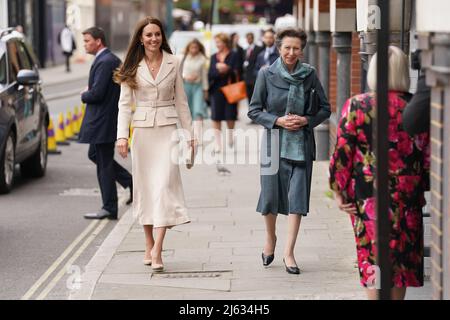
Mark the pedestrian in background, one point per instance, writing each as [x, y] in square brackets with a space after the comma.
[251, 53]
[195, 76]
[99, 127]
[223, 69]
[416, 116]
[235, 47]
[151, 79]
[66, 40]
[269, 53]
[281, 104]
[352, 174]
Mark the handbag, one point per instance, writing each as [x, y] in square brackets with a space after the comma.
[191, 157]
[313, 106]
[234, 92]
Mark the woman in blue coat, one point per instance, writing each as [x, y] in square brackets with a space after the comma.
[288, 102]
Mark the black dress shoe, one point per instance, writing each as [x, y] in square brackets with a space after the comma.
[102, 214]
[291, 270]
[130, 200]
[267, 259]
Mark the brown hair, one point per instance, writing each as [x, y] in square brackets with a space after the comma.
[201, 47]
[96, 33]
[224, 38]
[292, 33]
[136, 52]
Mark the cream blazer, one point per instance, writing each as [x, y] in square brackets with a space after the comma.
[159, 102]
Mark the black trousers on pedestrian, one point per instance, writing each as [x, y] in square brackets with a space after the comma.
[108, 172]
[68, 55]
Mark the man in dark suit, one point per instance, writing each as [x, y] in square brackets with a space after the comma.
[249, 64]
[99, 127]
[270, 52]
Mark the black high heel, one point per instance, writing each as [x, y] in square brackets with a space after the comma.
[291, 270]
[267, 260]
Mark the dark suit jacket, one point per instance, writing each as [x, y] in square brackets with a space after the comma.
[217, 80]
[249, 71]
[416, 115]
[260, 59]
[100, 121]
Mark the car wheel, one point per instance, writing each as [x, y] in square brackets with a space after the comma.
[36, 165]
[7, 164]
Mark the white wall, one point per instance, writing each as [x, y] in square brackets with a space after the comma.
[433, 16]
[3, 14]
[80, 16]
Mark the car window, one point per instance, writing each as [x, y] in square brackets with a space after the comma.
[25, 62]
[3, 76]
[14, 60]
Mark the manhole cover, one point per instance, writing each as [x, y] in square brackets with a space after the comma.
[193, 274]
[94, 192]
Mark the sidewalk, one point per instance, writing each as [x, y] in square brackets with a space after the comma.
[218, 255]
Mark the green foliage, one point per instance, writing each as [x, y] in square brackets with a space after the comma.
[206, 6]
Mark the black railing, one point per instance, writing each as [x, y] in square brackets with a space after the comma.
[382, 159]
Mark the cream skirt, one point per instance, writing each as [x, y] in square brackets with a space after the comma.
[158, 197]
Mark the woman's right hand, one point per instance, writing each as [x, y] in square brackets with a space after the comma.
[348, 208]
[289, 123]
[122, 147]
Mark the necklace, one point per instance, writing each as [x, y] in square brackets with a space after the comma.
[152, 68]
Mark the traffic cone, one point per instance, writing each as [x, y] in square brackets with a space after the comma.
[75, 121]
[60, 135]
[51, 141]
[68, 128]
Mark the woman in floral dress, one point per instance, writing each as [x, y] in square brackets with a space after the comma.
[352, 170]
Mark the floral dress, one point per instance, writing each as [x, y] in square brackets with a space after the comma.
[352, 175]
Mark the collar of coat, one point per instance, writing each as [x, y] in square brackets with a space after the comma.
[167, 65]
[274, 77]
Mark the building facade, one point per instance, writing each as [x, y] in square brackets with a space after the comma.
[341, 41]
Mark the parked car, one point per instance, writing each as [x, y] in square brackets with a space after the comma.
[23, 111]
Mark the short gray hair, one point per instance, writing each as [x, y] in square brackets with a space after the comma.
[398, 71]
[292, 33]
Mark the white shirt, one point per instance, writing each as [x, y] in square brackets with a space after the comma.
[196, 65]
[268, 52]
[100, 51]
[66, 39]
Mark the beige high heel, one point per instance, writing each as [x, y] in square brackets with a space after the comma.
[147, 262]
[157, 267]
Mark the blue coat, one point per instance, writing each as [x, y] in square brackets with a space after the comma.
[100, 121]
[282, 191]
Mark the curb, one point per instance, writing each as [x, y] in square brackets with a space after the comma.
[101, 259]
[66, 94]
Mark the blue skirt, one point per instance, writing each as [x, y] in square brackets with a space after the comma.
[197, 105]
[287, 191]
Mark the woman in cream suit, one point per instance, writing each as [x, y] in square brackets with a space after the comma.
[150, 78]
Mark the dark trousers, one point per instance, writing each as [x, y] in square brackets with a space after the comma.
[249, 87]
[68, 55]
[108, 172]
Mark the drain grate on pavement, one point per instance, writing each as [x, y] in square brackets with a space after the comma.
[222, 274]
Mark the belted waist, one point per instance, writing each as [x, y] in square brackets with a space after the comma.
[155, 104]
